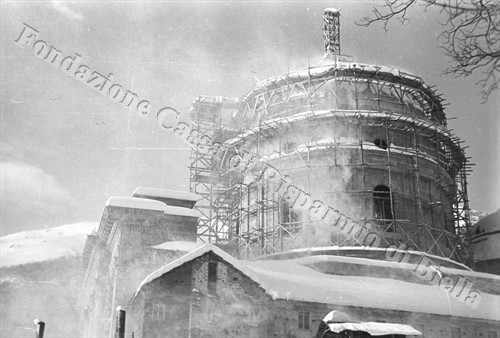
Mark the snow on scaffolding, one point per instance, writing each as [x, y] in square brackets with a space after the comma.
[379, 74]
[218, 101]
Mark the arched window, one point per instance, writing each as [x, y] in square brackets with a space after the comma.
[381, 143]
[382, 203]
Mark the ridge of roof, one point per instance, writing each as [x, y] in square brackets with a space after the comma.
[195, 254]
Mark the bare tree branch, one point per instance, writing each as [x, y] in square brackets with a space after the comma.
[470, 36]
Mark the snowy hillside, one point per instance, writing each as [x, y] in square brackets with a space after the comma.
[44, 245]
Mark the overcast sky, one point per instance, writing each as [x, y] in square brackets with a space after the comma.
[65, 149]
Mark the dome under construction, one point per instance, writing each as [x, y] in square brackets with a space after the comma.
[369, 141]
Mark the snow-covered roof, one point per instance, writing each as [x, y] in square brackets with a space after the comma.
[376, 329]
[180, 211]
[166, 193]
[337, 316]
[338, 321]
[368, 251]
[135, 203]
[148, 204]
[195, 254]
[44, 245]
[486, 237]
[487, 224]
[178, 246]
[290, 280]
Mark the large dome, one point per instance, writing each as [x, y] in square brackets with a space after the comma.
[367, 140]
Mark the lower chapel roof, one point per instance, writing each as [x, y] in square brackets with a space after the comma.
[486, 237]
[293, 280]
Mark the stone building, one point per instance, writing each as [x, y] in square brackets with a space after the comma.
[372, 144]
[128, 245]
[144, 258]
[208, 293]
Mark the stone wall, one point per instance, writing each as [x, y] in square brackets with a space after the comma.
[162, 308]
[234, 305]
[123, 256]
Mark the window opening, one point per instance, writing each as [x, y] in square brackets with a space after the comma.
[492, 334]
[455, 332]
[289, 218]
[381, 143]
[289, 147]
[212, 277]
[304, 320]
[158, 312]
[382, 203]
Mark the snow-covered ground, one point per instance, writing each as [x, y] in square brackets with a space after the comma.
[44, 245]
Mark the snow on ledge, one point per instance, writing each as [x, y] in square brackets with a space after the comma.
[166, 193]
[135, 203]
[180, 211]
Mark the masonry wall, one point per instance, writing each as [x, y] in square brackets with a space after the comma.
[236, 306]
[227, 305]
[135, 258]
[162, 308]
[431, 326]
[122, 257]
[346, 168]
